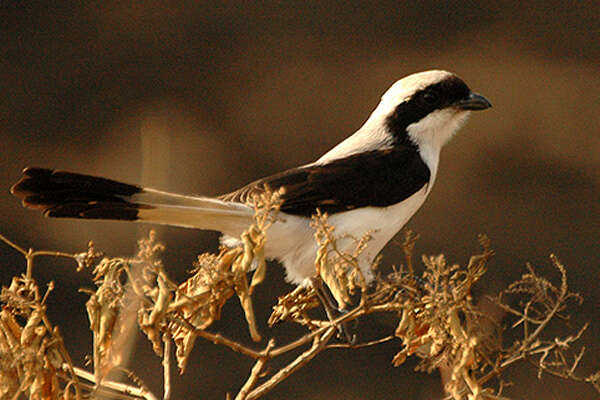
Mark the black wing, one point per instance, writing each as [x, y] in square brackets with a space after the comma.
[377, 178]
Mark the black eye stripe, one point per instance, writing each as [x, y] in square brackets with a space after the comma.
[444, 93]
[433, 97]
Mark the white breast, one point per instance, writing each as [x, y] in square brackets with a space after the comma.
[292, 241]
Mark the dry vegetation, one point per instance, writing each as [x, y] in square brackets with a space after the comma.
[437, 318]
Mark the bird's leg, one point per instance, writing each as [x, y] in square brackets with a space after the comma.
[331, 310]
[324, 296]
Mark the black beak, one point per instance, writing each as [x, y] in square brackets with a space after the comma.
[473, 102]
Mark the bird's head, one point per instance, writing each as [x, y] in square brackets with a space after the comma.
[427, 108]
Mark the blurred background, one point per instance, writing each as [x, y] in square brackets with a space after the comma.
[203, 97]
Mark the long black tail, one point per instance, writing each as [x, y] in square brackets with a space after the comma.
[66, 194]
[69, 195]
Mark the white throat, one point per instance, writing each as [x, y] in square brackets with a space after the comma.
[432, 132]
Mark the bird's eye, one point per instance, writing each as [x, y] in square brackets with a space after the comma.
[431, 98]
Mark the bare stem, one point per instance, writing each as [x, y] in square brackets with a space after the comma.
[255, 373]
[360, 345]
[13, 245]
[319, 343]
[233, 345]
[116, 386]
[166, 363]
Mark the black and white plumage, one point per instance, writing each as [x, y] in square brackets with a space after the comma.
[374, 181]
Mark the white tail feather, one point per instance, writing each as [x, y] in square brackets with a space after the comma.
[193, 212]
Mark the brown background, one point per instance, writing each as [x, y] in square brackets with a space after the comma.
[199, 97]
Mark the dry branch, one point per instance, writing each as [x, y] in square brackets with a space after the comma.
[437, 318]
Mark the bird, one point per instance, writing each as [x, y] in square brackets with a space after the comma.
[372, 182]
